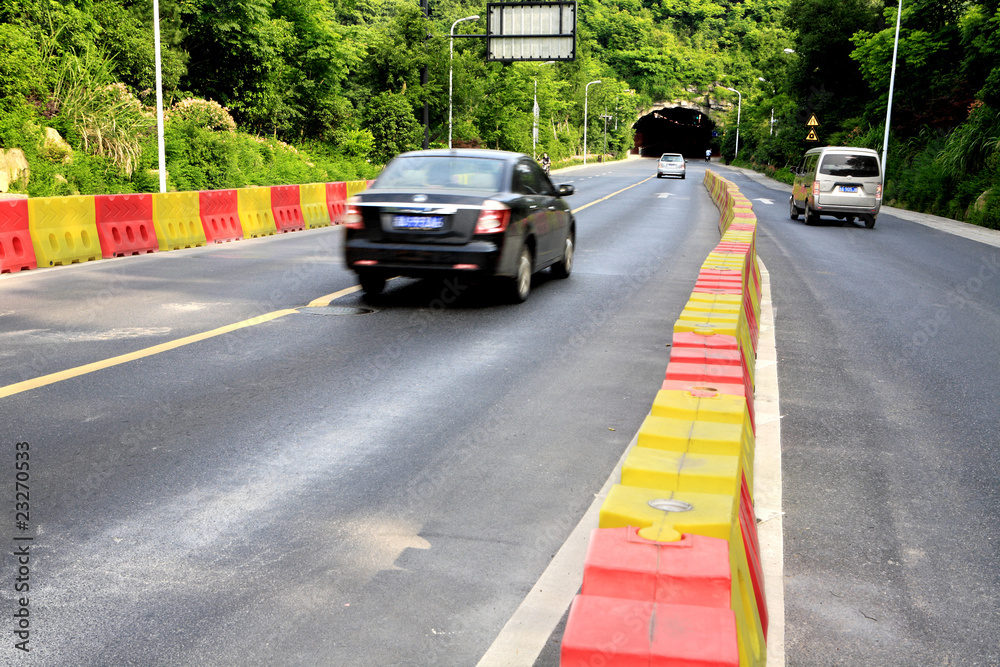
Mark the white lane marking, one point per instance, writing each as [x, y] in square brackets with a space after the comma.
[769, 202]
[767, 475]
[664, 195]
[525, 635]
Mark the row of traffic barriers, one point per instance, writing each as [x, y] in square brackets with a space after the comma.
[50, 231]
[673, 574]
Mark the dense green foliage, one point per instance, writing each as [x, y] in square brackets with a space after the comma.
[275, 91]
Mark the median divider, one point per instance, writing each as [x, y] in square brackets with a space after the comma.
[16, 250]
[677, 544]
[125, 225]
[63, 230]
[48, 231]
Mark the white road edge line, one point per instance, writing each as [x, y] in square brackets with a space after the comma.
[525, 635]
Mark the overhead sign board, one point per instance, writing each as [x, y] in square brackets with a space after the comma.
[525, 31]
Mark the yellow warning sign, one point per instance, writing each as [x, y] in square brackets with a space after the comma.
[812, 121]
[812, 135]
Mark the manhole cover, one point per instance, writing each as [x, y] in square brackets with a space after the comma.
[336, 310]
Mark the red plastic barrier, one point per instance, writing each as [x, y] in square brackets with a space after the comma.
[16, 250]
[751, 544]
[220, 217]
[336, 201]
[286, 205]
[694, 570]
[125, 225]
[615, 632]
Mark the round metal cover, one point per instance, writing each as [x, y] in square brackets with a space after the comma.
[670, 505]
[336, 310]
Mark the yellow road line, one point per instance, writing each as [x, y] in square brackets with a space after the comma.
[52, 378]
[330, 298]
[598, 201]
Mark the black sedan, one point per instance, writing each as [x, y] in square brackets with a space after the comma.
[480, 213]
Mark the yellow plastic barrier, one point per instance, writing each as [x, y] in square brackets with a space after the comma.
[682, 471]
[314, 210]
[256, 216]
[354, 187]
[63, 229]
[712, 515]
[177, 220]
[699, 437]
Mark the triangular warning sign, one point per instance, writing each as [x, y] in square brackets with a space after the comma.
[812, 135]
[812, 121]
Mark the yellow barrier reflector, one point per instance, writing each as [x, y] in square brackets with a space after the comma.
[177, 220]
[699, 437]
[679, 471]
[314, 210]
[354, 187]
[256, 216]
[712, 515]
[63, 229]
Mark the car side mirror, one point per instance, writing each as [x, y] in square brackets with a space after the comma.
[565, 189]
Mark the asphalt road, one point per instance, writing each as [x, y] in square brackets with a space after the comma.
[889, 372]
[326, 487]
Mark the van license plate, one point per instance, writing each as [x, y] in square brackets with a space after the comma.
[418, 222]
[848, 188]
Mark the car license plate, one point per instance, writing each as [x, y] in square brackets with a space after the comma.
[418, 221]
[848, 188]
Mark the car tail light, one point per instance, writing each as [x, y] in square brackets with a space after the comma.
[878, 192]
[352, 217]
[815, 188]
[493, 219]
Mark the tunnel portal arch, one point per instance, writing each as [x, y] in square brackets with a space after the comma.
[674, 130]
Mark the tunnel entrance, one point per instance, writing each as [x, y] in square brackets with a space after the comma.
[674, 130]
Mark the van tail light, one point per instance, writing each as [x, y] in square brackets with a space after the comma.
[815, 188]
[878, 192]
[493, 219]
[352, 216]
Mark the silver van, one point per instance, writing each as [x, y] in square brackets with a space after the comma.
[839, 181]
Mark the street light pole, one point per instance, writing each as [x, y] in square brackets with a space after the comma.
[739, 110]
[892, 85]
[451, 65]
[160, 150]
[586, 90]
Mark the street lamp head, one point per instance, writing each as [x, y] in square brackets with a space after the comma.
[732, 89]
[760, 78]
[789, 50]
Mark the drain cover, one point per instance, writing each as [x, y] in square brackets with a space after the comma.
[336, 310]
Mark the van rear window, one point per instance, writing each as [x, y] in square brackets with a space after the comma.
[858, 166]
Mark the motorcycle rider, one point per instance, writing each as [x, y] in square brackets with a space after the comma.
[546, 162]
[708, 155]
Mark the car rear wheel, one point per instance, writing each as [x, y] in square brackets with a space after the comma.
[793, 212]
[372, 283]
[869, 220]
[562, 268]
[809, 217]
[519, 286]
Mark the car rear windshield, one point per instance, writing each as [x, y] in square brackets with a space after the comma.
[672, 158]
[858, 166]
[442, 172]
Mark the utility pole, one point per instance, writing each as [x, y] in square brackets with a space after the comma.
[423, 83]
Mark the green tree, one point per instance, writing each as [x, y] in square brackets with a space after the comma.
[394, 129]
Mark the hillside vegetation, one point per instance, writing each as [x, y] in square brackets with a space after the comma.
[282, 91]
